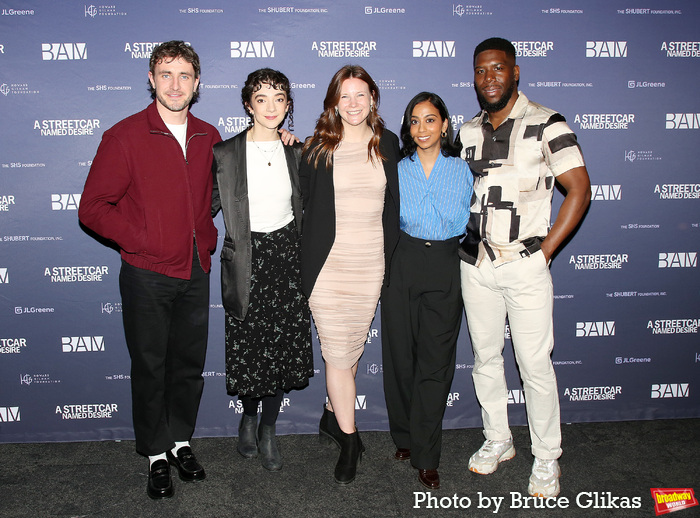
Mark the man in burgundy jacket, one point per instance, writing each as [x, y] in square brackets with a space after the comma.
[149, 191]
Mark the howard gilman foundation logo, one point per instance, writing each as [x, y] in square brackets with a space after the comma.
[344, 49]
[670, 390]
[595, 329]
[434, 49]
[606, 49]
[678, 259]
[102, 10]
[93, 411]
[9, 414]
[680, 326]
[252, 49]
[83, 344]
[63, 51]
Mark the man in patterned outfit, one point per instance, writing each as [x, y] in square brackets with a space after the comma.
[516, 150]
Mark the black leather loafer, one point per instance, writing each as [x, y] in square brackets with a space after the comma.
[160, 485]
[187, 466]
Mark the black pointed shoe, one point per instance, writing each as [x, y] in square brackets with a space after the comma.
[187, 466]
[160, 484]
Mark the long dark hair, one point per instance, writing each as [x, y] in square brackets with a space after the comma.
[276, 80]
[447, 144]
[329, 126]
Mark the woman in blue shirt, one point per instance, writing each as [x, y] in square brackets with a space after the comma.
[422, 305]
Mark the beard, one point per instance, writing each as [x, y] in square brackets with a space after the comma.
[498, 105]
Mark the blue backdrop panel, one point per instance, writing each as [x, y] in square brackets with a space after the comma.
[626, 284]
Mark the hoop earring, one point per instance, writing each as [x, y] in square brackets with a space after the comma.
[443, 134]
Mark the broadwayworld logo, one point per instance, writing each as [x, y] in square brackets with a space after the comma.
[63, 51]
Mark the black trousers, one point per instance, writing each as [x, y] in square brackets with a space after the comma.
[166, 323]
[421, 313]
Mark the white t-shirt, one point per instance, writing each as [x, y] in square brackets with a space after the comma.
[269, 187]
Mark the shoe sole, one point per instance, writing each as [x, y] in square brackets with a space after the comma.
[506, 456]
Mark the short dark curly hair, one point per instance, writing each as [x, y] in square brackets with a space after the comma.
[276, 80]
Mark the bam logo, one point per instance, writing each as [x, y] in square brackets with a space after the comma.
[83, 344]
[678, 260]
[589, 329]
[9, 414]
[433, 49]
[65, 201]
[361, 402]
[516, 397]
[682, 121]
[4, 278]
[606, 192]
[606, 49]
[63, 51]
[252, 49]
[669, 390]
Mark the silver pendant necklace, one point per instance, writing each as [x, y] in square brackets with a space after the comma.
[269, 155]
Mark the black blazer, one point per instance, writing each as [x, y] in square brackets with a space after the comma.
[230, 193]
[319, 211]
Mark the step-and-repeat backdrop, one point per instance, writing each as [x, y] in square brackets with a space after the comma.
[624, 73]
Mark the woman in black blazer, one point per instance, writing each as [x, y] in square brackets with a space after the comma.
[268, 332]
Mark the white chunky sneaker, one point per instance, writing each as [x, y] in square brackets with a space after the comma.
[544, 481]
[491, 453]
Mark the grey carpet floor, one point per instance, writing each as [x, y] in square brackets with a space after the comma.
[604, 465]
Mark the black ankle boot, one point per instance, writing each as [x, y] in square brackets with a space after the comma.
[247, 441]
[328, 429]
[269, 450]
[351, 449]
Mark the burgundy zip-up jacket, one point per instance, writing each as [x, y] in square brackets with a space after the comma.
[143, 194]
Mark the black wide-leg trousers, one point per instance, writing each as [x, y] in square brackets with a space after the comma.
[421, 313]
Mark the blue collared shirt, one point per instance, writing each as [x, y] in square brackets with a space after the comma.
[436, 207]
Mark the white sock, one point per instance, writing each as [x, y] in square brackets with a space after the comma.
[153, 458]
[179, 445]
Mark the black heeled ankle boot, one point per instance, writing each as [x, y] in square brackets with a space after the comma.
[328, 429]
[351, 449]
[247, 441]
